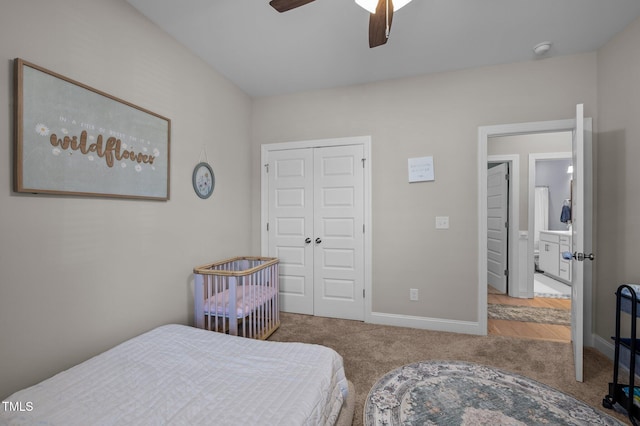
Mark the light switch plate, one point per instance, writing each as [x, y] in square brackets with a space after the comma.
[442, 222]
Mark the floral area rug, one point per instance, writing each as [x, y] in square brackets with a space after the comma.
[460, 393]
[529, 314]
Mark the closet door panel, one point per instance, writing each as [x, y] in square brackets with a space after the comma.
[291, 225]
[338, 232]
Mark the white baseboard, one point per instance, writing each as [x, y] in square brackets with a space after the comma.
[608, 348]
[435, 324]
[605, 346]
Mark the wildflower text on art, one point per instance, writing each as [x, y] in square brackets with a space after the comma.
[111, 150]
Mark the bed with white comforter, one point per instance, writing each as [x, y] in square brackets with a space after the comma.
[181, 375]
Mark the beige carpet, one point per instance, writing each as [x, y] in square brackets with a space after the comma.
[370, 351]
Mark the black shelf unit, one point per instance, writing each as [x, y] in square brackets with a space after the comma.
[627, 353]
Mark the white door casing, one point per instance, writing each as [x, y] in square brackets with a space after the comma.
[335, 236]
[497, 229]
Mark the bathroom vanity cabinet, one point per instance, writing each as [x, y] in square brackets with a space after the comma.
[552, 245]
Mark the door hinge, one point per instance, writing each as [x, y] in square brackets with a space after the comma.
[266, 166]
[363, 293]
[506, 224]
[506, 176]
[363, 228]
[506, 272]
[363, 160]
[267, 226]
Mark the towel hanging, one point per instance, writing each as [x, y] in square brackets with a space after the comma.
[565, 215]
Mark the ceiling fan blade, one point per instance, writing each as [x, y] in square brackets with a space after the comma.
[379, 25]
[284, 5]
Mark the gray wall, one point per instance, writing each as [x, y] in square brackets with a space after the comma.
[523, 145]
[618, 154]
[77, 274]
[435, 115]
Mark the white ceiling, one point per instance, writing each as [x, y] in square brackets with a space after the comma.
[325, 43]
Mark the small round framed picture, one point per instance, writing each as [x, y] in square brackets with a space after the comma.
[203, 180]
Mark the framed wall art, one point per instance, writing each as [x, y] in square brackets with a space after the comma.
[73, 139]
[204, 181]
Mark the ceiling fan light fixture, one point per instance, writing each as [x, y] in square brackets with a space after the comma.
[370, 5]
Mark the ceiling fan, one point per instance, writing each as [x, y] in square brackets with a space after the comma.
[379, 20]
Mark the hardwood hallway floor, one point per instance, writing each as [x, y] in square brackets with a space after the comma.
[530, 330]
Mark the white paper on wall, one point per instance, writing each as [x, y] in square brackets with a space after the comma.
[421, 169]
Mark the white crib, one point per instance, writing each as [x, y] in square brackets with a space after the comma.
[238, 296]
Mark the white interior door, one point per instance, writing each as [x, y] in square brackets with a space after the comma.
[497, 229]
[316, 228]
[338, 232]
[291, 226]
[581, 233]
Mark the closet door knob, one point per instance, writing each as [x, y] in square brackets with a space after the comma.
[318, 240]
[308, 240]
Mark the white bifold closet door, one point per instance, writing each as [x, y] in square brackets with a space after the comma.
[316, 227]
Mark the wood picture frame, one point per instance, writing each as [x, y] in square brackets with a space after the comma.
[73, 139]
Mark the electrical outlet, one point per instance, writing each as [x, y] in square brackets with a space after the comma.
[442, 222]
[413, 294]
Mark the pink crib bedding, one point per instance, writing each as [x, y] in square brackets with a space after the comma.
[248, 299]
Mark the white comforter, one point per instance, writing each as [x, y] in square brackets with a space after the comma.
[181, 375]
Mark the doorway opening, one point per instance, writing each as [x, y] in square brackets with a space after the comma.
[551, 178]
[536, 305]
[582, 187]
[521, 270]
